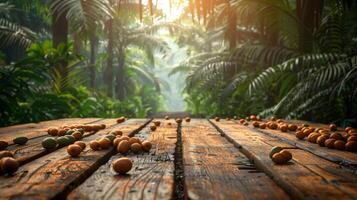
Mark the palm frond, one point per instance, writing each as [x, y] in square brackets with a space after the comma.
[13, 34]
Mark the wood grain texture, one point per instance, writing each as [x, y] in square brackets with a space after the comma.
[297, 179]
[345, 158]
[150, 178]
[33, 131]
[215, 169]
[54, 175]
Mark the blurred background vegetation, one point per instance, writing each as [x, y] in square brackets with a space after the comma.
[294, 59]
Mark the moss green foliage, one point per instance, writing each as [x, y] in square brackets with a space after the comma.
[274, 58]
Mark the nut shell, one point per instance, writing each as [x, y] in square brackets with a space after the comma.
[329, 143]
[81, 144]
[9, 165]
[146, 146]
[351, 146]
[339, 144]
[104, 143]
[136, 148]
[94, 145]
[3, 145]
[74, 150]
[122, 165]
[123, 147]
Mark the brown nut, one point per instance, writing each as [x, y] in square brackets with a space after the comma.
[352, 138]
[284, 128]
[282, 157]
[52, 131]
[4, 154]
[333, 127]
[262, 126]
[94, 145]
[9, 165]
[74, 150]
[123, 147]
[81, 144]
[351, 146]
[329, 143]
[336, 136]
[152, 127]
[157, 123]
[122, 165]
[135, 147]
[339, 144]
[146, 145]
[292, 127]
[321, 140]
[3, 145]
[120, 120]
[178, 120]
[133, 140]
[300, 135]
[104, 143]
[256, 124]
[313, 137]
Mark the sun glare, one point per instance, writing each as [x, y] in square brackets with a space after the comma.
[171, 13]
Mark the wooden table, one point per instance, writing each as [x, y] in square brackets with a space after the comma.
[201, 159]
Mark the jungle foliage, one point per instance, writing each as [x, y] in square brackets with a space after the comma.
[68, 58]
[284, 58]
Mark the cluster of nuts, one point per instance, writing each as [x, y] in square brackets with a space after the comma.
[63, 130]
[275, 124]
[70, 137]
[329, 138]
[123, 144]
[8, 164]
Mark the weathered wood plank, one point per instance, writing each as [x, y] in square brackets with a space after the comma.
[33, 131]
[150, 178]
[297, 179]
[215, 169]
[345, 158]
[34, 150]
[54, 175]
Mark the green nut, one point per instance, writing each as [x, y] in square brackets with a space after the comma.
[274, 150]
[71, 139]
[69, 132]
[111, 137]
[49, 143]
[81, 130]
[20, 140]
[63, 141]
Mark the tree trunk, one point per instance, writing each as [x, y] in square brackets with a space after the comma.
[60, 36]
[93, 53]
[309, 13]
[59, 28]
[108, 74]
[120, 75]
